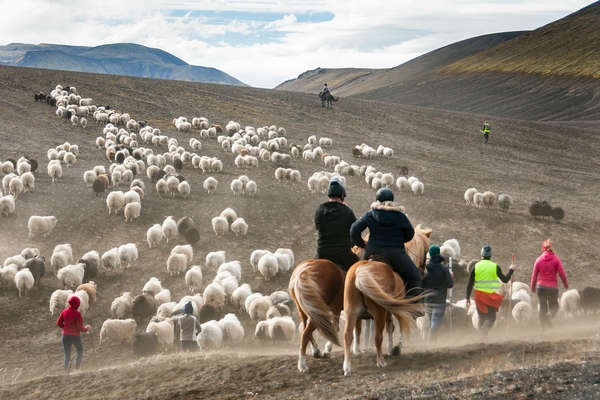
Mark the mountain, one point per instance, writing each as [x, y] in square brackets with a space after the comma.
[117, 59]
[352, 81]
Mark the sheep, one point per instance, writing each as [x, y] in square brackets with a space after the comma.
[132, 211]
[522, 312]
[193, 278]
[281, 329]
[186, 250]
[121, 306]
[172, 185]
[89, 177]
[54, 171]
[268, 266]
[100, 184]
[43, 226]
[131, 196]
[214, 259]
[255, 257]
[251, 188]
[280, 296]
[143, 306]
[505, 201]
[233, 331]
[570, 303]
[450, 248]
[162, 187]
[259, 307]
[237, 187]
[60, 259]
[233, 267]
[84, 301]
[165, 310]
[184, 189]
[239, 296]
[90, 288]
[154, 236]
[417, 187]
[17, 260]
[220, 225]
[15, 187]
[214, 294]
[30, 252]
[230, 214]
[71, 276]
[176, 264]
[37, 266]
[478, 200]
[7, 205]
[288, 252]
[152, 287]
[111, 259]
[164, 332]
[128, 253]
[24, 281]
[210, 185]
[115, 201]
[184, 224]
[469, 196]
[590, 299]
[117, 331]
[211, 336]
[58, 300]
[169, 228]
[239, 227]
[489, 199]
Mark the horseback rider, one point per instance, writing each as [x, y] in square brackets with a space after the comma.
[325, 90]
[485, 279]
[486, 131]
[389, 229]
[333, 220]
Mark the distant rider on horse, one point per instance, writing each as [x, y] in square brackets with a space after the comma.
[486, 130]
[389, 229]
[325, 90]
[333, 220]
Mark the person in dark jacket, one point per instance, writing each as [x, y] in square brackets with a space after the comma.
[437, 280]
[389, 229]
[71, 322]
[333, 220]
[189, 327]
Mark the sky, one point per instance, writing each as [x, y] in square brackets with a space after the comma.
[265, 42]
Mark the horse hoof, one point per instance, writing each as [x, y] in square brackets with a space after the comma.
[316, 354]
[381, 364]
[396, 351]
[303, 369]
[346, 372]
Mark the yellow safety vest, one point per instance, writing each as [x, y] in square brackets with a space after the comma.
[486, 276]
[486, 128]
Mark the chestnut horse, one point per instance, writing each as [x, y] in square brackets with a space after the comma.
[317, 288]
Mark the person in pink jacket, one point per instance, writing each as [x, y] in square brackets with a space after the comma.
[544, 282]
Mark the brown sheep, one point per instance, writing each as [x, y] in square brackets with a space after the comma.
[90, 289]
[110, 154]
[244, 152]
[217, 127]
[101, 184]
[139, 191]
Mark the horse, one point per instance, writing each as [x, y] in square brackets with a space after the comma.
[317, 288]
[328, 98]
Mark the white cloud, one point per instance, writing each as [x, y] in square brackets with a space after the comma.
[362, 33]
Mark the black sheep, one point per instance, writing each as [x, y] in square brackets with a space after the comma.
[192, 236]
[33, 163]
[37, 266]
[590, 299]
[178, 164]
[207, 313]
[143, 307]
[184, 224]
[99, 186]
[181, 178]
[90, 269]
[145, 344]
[120, 157]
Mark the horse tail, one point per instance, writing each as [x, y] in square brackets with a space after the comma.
[401, 307]
[310, 300]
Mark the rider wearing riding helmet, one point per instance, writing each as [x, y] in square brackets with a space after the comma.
[333, 220]
[325, 89]
[389, 229]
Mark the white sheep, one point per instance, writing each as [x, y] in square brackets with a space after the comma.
[121, 306]
[193, 278]
[239, 296]
[211, 336]
[450, 248]
[84, 301]
[71, 276]
[220, 225]
[233, 267]
[152, 287]
[15, 187]
[162, 187]
[255, 257]
[165, 310]
[17, 260]
[210, 185]
[214, 294]
[131, 196]
[28, 182]
[111, 259]
[417, 187]
[89, 177]
[169, 228]
[58, 300]
[30, 252]
[251, 188]
[117, 331]
[176, 264]
[469, 196]
[115, 201]
[259, 307]
[154, 235]
[214, 259]
[281, 328]
[128, 253]
[43, 226]
[287, 251]
[280, 296]
[7, 205]
[570, 303]
[132, 211]
[239, 227]
[184, 189]
[489, 199]
[186, 250]
[164, 332]
[237, 187]
[268, 266]
[162, 297]
[522, 312]
[54, 171]
[233, 331]
[24, 281]
[478, 200]
[284, 262]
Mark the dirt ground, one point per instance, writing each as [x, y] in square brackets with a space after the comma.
[529, 160]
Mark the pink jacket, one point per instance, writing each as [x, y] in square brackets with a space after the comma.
[544, 272]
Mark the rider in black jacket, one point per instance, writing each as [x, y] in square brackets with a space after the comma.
[389, 229]
[333, 220]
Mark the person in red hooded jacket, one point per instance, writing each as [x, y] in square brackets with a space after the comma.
[544, 282]
[71, 322]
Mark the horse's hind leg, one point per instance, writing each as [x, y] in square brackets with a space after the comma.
[306, 337]
[380, 321]
[389, 327]
[351, 320]
[357, 332]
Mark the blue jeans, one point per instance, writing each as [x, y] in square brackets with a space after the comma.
[68, 341]
[435, 316]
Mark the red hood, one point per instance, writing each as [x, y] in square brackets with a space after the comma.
[547, 255]
[74, 302]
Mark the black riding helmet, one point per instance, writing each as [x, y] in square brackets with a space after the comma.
[384, 194]
[336, 188]
[486, 252]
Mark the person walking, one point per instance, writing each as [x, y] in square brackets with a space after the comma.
[333, 220]
[71, 322]
[486, 131]
[544, 282]
[389, 229]
[189, 327]
[485, 278]
[437, 281]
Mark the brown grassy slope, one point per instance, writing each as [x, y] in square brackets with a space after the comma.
[353, 81]
[567, 47]
[528, 160]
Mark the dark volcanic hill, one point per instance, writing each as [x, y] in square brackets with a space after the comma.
[115, 59]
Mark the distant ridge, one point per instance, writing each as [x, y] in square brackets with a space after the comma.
[117, 59]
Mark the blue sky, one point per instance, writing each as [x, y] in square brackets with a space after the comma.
[265, 42]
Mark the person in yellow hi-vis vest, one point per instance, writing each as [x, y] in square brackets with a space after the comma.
[486, 130]
[485, 278]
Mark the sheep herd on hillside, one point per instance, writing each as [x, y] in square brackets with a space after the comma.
[140, 157]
